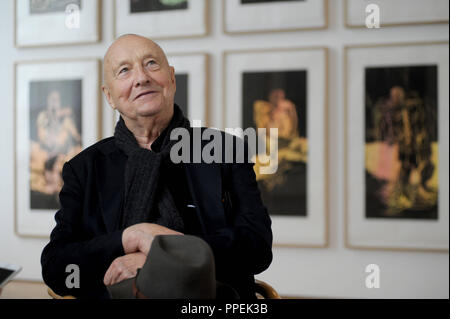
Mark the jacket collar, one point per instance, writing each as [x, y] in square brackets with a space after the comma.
[110, 170]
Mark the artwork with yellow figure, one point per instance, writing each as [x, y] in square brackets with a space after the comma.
[279, 113]
[54, 139]
[401, 145]
[283, 192]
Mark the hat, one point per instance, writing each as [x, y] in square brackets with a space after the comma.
[177, 267]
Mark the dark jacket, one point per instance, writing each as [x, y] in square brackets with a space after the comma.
[233, 220]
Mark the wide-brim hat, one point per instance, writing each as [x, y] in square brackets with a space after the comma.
[177, 267]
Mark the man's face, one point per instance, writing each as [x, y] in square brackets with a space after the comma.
[139, 81]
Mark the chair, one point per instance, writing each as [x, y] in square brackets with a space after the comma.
[263, 291]
[54, 295]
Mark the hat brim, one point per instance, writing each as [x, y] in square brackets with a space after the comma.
[124, 290]
[224, 291]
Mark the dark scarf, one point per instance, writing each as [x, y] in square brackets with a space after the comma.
[147, 197]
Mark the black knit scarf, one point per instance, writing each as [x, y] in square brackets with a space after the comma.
[147, 197]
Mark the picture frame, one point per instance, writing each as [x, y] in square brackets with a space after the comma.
[396, 100]
[191, 73]
[397, 13]
[57, 114]
[256, 16]
[284, 83]
[161, 21]
[56, 23]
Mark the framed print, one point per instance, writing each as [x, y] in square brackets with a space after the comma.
[250, 16]
[191, 75]
[158, 19]
[396, 12]
[286, 90]
[397, 146]
[56, 22]
[56, 116]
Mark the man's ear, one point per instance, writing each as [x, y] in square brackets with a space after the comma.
[173, 78]
[107, 94]
[172, 75]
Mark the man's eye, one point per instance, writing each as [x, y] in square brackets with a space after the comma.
[123, 70]
[151, 62]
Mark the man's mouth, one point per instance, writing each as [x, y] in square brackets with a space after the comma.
[144, 94]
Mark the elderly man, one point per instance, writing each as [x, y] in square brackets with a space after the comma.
[123, 191]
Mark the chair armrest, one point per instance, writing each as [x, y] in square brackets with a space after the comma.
[266, 290]
[54, 295]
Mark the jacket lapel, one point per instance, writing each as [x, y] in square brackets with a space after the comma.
[204, 181]
[110, 171]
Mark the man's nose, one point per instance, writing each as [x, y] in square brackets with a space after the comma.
[141, 77]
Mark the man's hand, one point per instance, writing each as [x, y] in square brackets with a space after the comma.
[124, 267]
[139, 237]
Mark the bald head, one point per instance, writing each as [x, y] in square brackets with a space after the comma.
[125, 45]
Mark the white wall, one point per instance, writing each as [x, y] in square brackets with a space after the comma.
[331, 272]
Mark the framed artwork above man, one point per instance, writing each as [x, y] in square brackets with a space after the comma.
[56, 22]
[255, 16]
[56, 117]
[396, 12]
[397, 155]
[284, 91]
[158, 19]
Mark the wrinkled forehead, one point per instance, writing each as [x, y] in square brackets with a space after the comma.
[131, 47]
